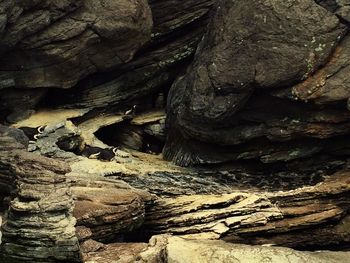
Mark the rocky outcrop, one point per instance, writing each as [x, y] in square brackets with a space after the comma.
[329, 84]
[233, 202]
[175, 36]
[238, 96]
[38, 226]
[106, 213]
[340, 7]
[178, 28]
[305, 217]
[257, 108]
[56, 43]
[11, 139]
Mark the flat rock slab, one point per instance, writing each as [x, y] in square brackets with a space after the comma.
[116, 253]
[180, 250]
[167, 249]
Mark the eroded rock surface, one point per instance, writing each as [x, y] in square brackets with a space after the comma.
[297, 218]
[229, 98]
[38, 226]
[262, 109]
[167, 249]
[107, 213]
[56, 43]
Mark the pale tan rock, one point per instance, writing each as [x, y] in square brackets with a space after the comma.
[167, 249]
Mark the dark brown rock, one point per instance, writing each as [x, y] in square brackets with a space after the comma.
[339, 7]
[219, 104]
[329, 84]
[106, 213]
[56, 43]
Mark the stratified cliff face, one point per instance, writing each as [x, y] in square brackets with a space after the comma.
[205, 119]
[70, 40]
[39, 225]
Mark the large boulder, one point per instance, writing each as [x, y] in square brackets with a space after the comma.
[227, 98]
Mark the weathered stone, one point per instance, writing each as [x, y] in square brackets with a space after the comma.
[313, 216]
[218, 103]
[112, 253]
[56, 43]
[339, 7]
[168, 249]
[174, 249]
[107, 213]
[39, 226]
[329, 84]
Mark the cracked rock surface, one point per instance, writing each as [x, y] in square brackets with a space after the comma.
[168, 249]
[38, 225]
[51, 43]
[239, 95]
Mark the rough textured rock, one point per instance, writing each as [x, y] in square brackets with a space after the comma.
[259, 109]
[167, 249]
[39, 226]
[331, 83]
[180, 250]
[112, 253]
[56, 43]
[340, 7]
[107, 213]
[306, 217]
[178, 28]
[11, 139]
[218, 102]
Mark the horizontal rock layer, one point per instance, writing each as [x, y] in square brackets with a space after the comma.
[306, 217]
[38, 226]
[56, 43]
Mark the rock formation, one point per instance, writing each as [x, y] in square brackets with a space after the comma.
[239, 93]
[39, 225]
[229, 124]
[57, 43]
[163, 249]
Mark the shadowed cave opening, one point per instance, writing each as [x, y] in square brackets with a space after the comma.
[127, 135]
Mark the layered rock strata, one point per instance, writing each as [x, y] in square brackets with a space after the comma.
[38, 226]
[56, 43]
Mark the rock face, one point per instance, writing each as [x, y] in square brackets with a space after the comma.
[329, 84]
[56, 43]
[253, 95]
[104, 47]
[106, 214]
[237, 94]
[39, 226]
[297, 218]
